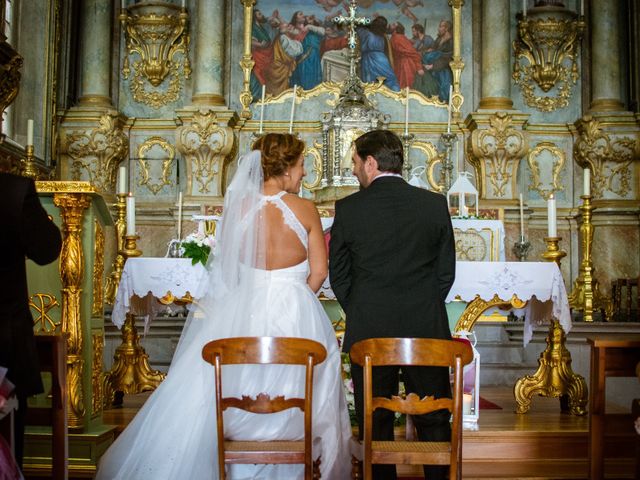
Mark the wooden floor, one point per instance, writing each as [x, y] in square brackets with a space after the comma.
[542, 444]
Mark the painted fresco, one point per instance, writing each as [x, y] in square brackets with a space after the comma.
[409, 42]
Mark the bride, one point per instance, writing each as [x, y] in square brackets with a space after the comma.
[270, 259]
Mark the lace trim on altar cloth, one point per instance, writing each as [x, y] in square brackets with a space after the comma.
[289, 217]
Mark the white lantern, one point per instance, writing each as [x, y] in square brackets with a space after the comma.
[463, 191]
[471, 383]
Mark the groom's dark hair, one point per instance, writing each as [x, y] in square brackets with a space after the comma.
[384, 146]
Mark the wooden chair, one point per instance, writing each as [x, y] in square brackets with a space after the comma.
[52, 354]
[410, 352]
[623, 304]
[266, 350]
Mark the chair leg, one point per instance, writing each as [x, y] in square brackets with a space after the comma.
[356, 469]
[316, 469]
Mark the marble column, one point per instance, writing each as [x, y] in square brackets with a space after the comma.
[96, 53]
[605, 55]
[208, 87]
[496, 56]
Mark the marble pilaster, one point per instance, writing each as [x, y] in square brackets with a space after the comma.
[208, 86]
[496, 53]
[605, 55]
[96, 53]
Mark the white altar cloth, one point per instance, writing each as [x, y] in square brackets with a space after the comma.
[144, 275]
[539, 283]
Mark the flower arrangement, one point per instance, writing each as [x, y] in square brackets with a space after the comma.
[197, 246]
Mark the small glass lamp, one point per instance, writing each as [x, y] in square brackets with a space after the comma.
[416, 177]
[463, 194]
[470, 383]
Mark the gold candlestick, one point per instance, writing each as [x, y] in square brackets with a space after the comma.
[29, 168]
[553, 253]
[554, 377]
[111, 288]
[131, 372]
[586, 296]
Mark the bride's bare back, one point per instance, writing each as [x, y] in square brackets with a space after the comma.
[285, 248]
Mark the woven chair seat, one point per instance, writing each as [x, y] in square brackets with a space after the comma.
[266, 446]
[411, 447]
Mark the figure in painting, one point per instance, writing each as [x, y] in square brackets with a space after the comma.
[308, 72]
[375, 51]
[421, 41]
[262, 34]
[436, 77]
[407, 61]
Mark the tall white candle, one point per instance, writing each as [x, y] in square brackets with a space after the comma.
[524, 8]
[582, 8]
[406, 114]
[587, 182]
[122, 180]
[122, 4]
[449, 109]
[179, 215]
[551, 217]
[262, 108]
[131, 214]
[30, 132]
[521, 218]
[184, 3]
[293, 108]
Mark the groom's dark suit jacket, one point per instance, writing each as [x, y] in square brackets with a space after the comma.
[25, 232]
[392, 261]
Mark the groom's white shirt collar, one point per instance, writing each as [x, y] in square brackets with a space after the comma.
[386, 174]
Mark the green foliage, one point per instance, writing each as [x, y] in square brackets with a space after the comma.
[197, 253]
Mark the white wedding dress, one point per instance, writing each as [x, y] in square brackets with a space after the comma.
[173, 436]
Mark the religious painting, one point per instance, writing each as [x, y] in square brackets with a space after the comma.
[408, 43]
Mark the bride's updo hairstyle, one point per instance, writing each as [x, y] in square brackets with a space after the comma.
[279, 151]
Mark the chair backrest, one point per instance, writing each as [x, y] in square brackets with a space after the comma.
[52, 353]
[264, 350]
[623, 299]
[424, 352]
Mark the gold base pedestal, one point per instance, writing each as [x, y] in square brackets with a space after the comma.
[554, 377]
[131, 372]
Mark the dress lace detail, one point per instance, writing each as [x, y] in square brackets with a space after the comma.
[290, 218]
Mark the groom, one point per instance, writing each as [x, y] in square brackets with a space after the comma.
[391, 264]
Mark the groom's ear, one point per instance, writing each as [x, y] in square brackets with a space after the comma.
[371, 164]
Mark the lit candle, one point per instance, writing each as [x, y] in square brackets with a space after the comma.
[122, 180]
[406, 115]
[524, 8]
[449, 109]
[179, 215]
[463, 210]
[262, 109]
[467, 401]
[293, 108]
[30, 132]
[551, 216]
[587, 182]
[521, 218]
[131, 215]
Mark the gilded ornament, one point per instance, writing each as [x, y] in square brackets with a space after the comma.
[64, 187]
[546, 57]
[495, 154]
[554, 377]
[169, 154]
[97, 386]
[41, 304]
[98, 271]
[97, 152]
[478, 306]
[558, 161]
[432, 159]
[609, 159]
[206, 147]
[10, 81]
[71, 267]
[157, 33]
[316, 154]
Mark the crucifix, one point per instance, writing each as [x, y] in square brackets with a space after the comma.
[351, 21]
